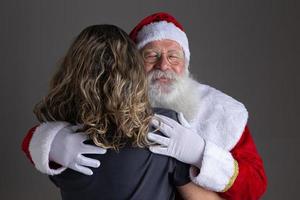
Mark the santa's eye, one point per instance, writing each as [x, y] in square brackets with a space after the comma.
[151, 56]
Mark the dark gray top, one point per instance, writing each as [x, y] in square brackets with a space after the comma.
[131, 173]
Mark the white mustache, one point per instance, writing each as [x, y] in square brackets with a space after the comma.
[157, 74]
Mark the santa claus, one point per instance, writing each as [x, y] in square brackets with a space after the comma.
[213, 136]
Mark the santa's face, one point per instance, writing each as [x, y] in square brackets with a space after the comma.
[164, 64]
[165, 68]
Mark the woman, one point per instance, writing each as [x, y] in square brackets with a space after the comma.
[102, 86]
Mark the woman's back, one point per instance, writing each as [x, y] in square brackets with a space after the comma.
[131, 173]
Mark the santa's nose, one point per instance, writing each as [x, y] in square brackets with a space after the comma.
[162, 64]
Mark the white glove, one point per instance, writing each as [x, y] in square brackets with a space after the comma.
[67, 149]
[181, 143]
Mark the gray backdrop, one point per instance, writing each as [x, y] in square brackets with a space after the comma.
[248, 49]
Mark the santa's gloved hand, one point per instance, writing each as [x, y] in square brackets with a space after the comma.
[179, 142]
[67, 149]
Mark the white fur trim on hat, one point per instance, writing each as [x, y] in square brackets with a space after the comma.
[40, 145]
[217, 170]
[163, 30]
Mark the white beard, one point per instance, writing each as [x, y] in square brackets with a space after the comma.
[181, 95]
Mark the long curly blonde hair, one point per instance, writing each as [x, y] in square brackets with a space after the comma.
[101, 84]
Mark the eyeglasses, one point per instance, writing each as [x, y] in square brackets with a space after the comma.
[152, 56]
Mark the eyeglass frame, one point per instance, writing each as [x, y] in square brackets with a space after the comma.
[159, 52]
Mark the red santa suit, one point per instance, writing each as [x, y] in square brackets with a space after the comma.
[231, 164]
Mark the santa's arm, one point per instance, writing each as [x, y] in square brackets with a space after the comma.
[56, 140]
[26, 142]
[238, 174]
[251, 181]
[37, 144]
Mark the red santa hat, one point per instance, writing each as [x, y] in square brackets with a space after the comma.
[160, 26]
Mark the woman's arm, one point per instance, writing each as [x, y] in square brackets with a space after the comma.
[192, 191]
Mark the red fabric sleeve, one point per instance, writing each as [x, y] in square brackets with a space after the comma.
[251, 181]
[26, 142]
[25, 148]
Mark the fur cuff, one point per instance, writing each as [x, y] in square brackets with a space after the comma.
[217, 170]
[40, 146]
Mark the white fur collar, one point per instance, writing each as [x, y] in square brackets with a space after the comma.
[216, 116]
[220, 118]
